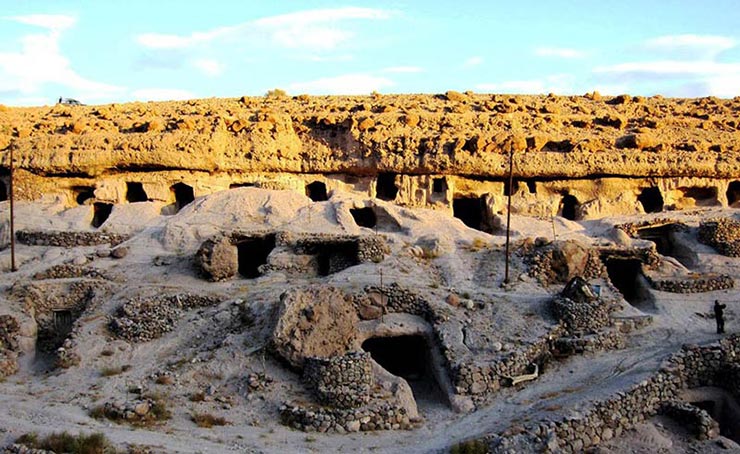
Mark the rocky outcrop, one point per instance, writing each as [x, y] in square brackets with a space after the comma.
[317, 321]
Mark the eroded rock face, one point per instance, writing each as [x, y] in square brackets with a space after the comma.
[218, 258]
[314, 321]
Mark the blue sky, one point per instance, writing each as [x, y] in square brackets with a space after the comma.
[114, 51]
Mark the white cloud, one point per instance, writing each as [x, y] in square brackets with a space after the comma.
[403, 69]
[348, 84]
[162, 94]
[209, 66]
[50, 21]
[559, 83]
[702, 47]
[473, 61]
[559, 52]
[39, 62]
[312, 29]
[670, 68]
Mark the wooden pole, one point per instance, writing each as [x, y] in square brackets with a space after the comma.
[12, 215]
[508, 212]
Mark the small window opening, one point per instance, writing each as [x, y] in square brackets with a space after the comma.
[570, 207]
[733, 194]
[101, 212]
[241, 185]
[471, 211]
[651, 200]
[531, 187]
[252, 253]
[3, 192]
[84, 195]
[316, 191]
[514, 187]
[135, 192]
[385, 186]
[439, 185]
[364, 217]
[183, 195]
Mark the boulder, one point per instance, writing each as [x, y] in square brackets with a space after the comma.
[315, 321]
[217, 258]
[570, 259]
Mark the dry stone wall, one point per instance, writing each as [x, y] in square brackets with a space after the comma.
[693, 285]
[340, 381]
[697, 419]
[693, 366]
[723, 234]
[378, 415]
[68, 239]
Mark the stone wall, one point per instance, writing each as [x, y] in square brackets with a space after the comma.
[691, 285]
[557, 262]
[378, 415]
[693, 366]
[632, 228]
[9, 329]
[70, 270]
[723, 234]
[143, 319]
[68, 239]
[695, 418]
[587, 315]
[340, 381]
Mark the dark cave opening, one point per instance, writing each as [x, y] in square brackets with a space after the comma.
[334, 257]
[364, 217]
[3, 191]
[439, 185]
[724, 411]
[252, 253]
[733, 194]
[570, 206]
[385, 186]
[407, 357]
[651, 200]
[241, 185]
[664, 237]
[183, 195]
[703, 196]
[627, 276]
[101, 213]
[135, 192]
[84, 194]
[471, 211]
[316, 191]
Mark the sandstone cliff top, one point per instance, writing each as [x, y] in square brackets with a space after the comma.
[457, 133]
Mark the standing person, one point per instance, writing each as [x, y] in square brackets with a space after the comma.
[719, 316]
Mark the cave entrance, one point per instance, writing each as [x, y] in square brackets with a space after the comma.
[252, 253]
[135, 192]
[364, 217]
[471, 211]
[101, 213]
[651, 200]
[385, 186]
[439, 186]
[664, 237]
[570, 206]
[703, 196]
[3, 191]
[336, 256]
[53, 329]
[408, 357]
[733, 194]
[183, 195]
[83, 194]
[316, 191]
[627, 276]
[721, 405]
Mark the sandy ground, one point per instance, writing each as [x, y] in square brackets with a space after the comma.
[207, 353]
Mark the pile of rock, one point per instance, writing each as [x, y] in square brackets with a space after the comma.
[723, 234]
[23, 449]
[560, 261]
[68, 239]
[698, 285]
[9, 329]
[140, 410]
[340, 381]
[579, 309]
[379, 415]
[70, 270]
[695, 418]
[143, 319]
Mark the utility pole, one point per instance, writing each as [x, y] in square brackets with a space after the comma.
[508, 211]
[12, 215]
